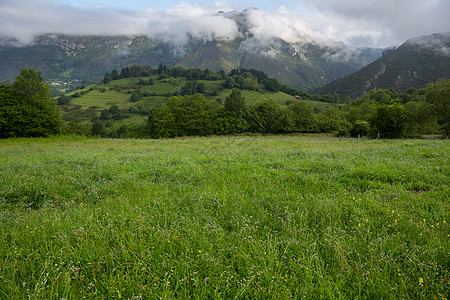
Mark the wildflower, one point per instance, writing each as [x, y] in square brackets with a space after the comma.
[199, 251]
[27, 226]
[420, 281]
[168, 241]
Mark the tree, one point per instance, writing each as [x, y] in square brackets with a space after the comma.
[161, 122]
[272, 84]
[388, 121]
[438, 94]
[420, 119]
[333, 120]
[63, 100]
[115, 74]
[235, 102]
[303, 117]
[134, 97]
[97, 129]
[263, 115]
[359, 128]
[27, 108]
[107, 78]
[249, 84]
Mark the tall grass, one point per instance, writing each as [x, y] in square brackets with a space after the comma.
[274, 217]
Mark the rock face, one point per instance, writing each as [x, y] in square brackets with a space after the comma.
[414, 64]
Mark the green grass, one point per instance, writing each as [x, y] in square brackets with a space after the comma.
[103, 100]
[273, 217]
[252, 97]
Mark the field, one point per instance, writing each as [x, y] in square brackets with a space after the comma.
[272, 217]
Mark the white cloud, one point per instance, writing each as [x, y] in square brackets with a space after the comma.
[381, 22]
[184, 20]
[354, 22]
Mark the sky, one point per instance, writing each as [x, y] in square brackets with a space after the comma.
[357, 23]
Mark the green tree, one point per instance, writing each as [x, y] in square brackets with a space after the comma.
[359, 128]
[333, 120]
[134, 97]
[235, 102]
[161, 122]
[63, 100]
[303, 117]
[107, 78]
[272, 84]
[388, 121]
[249, 84]
[438, 94]
[98, 129]
[27, 108]
[262, 116]
[420, 119]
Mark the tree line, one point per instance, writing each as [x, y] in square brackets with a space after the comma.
[381, 113]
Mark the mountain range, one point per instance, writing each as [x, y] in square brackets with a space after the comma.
[307, 64]
[414, 64]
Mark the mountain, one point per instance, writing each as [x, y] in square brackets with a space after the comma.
[65, 58]
[302, 64]
[417, 62]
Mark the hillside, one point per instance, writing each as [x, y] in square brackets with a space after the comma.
[87, 105]
[414, 64]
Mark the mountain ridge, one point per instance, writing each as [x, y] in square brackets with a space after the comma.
[417, 62]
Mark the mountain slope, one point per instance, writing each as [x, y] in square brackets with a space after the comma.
[414, 64]
[63, 57]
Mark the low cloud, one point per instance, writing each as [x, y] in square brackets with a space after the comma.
[438, 43]
[180, 23]
[379, 23]
[122, 52]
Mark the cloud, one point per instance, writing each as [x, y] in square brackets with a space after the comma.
[356, 23]
[185, 20]
[438, 43]
[383, 22]
[24, 19]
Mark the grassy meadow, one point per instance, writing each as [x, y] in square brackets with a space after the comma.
[243, 217]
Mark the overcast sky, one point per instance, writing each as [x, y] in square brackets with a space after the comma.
[376, 23]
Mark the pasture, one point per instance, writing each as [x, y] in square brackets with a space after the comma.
[244, 217]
